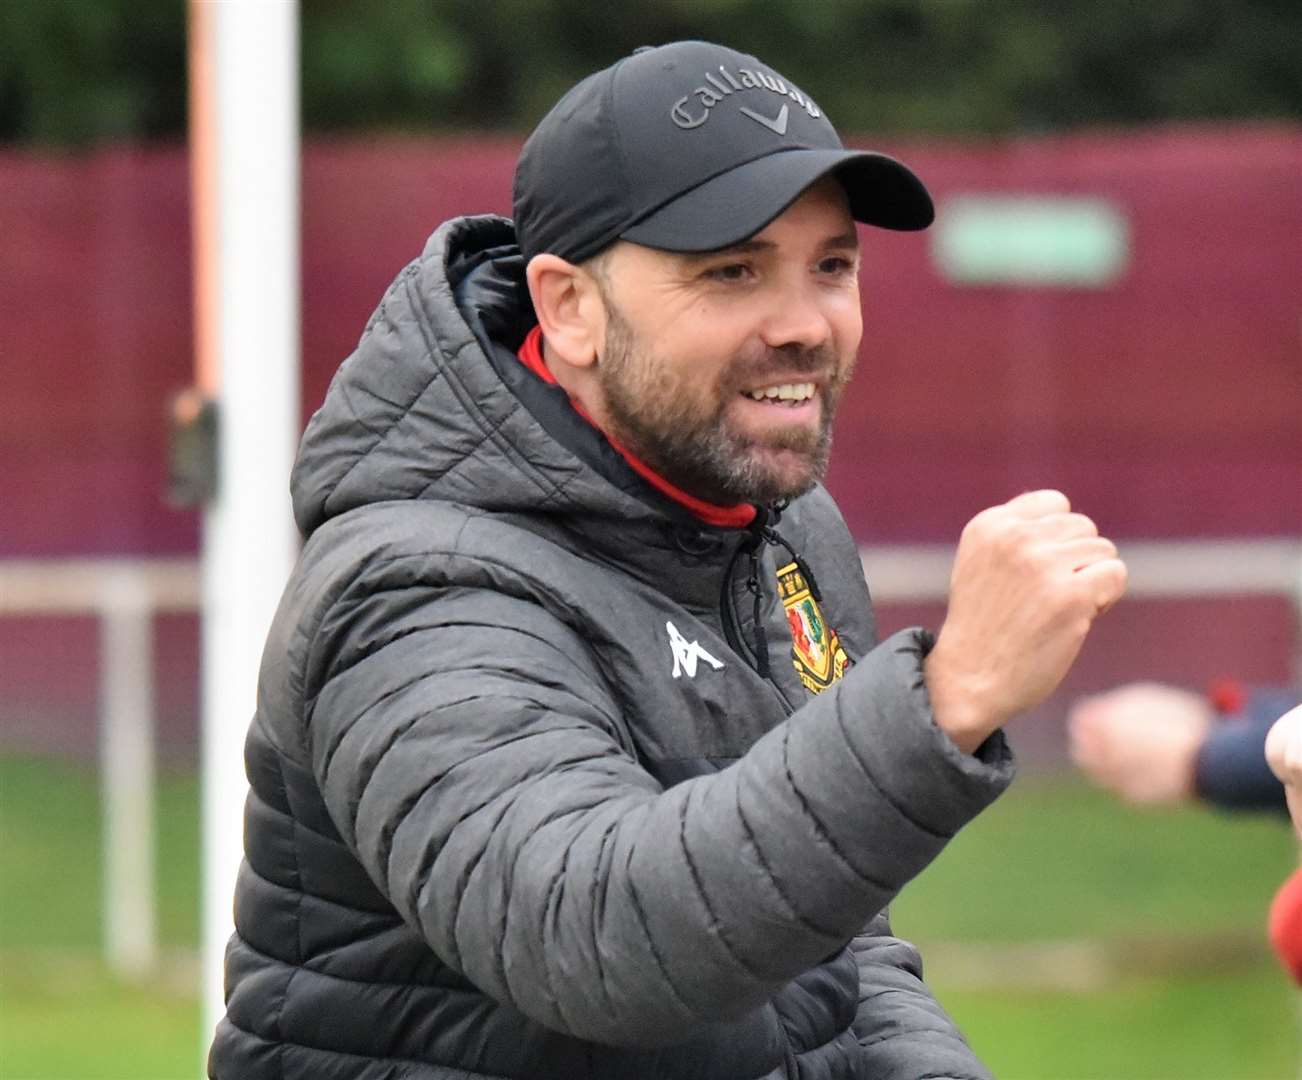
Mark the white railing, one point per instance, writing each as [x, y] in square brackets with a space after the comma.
[125, 595]
[1158, 568]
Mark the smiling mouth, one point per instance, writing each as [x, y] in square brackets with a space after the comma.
[783, 393]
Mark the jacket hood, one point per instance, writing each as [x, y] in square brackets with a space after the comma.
[434, 404]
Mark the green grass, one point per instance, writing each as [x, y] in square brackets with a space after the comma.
[1232, 1026]
[1171, 977]
[1175, 980]
[1054, 859]
[63, 1018]
[50, 879]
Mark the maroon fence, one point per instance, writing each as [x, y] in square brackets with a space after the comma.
[1167, 403]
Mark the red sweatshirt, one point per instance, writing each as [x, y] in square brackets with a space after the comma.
[1286, 925]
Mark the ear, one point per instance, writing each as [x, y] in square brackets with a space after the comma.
[569, 309]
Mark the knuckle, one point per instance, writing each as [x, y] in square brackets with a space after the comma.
[990, 529]
[1056, 498]
[1086, 524]
[977, 526]
[990, 518]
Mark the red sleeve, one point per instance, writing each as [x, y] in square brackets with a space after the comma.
[1286, 925]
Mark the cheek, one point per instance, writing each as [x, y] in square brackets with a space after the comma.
[705, 354]
[847, 331]
[847, 322]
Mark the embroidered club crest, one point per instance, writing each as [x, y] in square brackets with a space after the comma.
[815, 647]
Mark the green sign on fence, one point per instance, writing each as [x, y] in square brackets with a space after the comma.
[1072, 241]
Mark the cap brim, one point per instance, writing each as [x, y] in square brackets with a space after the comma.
[737, 204]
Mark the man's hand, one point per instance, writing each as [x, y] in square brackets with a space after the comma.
[1029, 579]
[1140, 741]
[1284, 756]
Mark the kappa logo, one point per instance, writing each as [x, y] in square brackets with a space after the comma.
[687, 653]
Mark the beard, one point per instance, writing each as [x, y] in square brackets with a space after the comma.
[682, 429]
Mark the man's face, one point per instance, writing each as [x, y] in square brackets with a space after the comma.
[722, 371]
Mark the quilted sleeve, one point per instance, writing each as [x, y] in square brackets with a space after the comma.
[472, 757]
[902, 1030]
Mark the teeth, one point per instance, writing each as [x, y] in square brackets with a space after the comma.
[786, 392]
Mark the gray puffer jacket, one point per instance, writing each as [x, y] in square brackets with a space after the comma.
[533, 793]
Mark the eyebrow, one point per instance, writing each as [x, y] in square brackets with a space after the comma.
[845, 241]
[841, 242]
[744, 247]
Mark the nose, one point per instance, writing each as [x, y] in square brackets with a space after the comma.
[798, 318]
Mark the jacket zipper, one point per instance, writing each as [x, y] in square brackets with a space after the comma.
[755, 656]
[758, 660]
[731, 632]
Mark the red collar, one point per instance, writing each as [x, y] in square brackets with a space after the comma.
[731, 517]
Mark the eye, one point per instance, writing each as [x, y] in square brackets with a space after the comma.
[730, 273]
[838, 265]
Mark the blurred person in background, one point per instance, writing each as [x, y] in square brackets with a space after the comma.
[1284, 753]
[575, 754]
[1158, 745]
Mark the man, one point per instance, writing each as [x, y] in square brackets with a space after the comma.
[1284, 755]
[575, 755]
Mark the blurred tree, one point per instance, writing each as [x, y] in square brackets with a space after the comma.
[79, 71]
[76, 71]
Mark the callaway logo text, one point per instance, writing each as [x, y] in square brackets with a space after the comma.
[687, 113]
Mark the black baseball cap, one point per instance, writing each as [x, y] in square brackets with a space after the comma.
[690, 146]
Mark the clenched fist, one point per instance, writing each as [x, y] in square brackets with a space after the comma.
[1284, 756]
[1029, 579]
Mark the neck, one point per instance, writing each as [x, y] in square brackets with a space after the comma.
[581, 386]
[580, 383]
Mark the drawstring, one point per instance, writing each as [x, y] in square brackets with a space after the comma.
[766, 524]
[763, 531]
[757, 595]
[774, 538]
